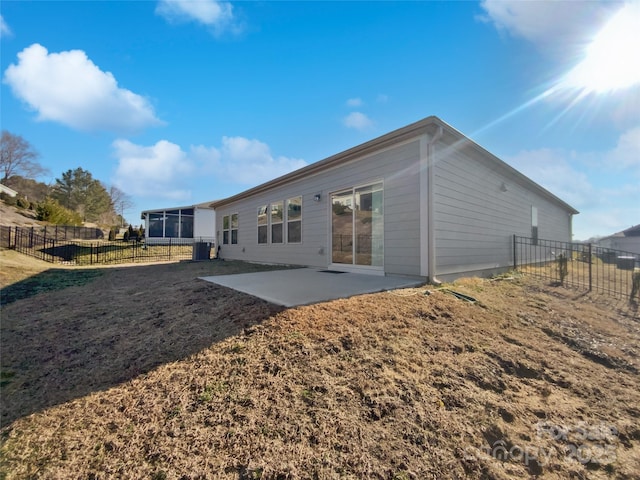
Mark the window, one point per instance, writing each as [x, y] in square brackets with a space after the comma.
[172, 224]
[279, 218]
[225, 230]
[156, 225]
[234, 228]
[186, 223]
[262, 224]
[276, 222]
[294, 220]
[186, 226]
[230, 229]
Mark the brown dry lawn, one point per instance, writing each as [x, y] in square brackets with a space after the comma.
[147, 372]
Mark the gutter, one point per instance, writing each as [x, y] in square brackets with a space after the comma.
[431, 245]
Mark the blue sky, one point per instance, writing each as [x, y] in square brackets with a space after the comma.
[183, 102]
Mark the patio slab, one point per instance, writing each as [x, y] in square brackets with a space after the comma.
[305, 286]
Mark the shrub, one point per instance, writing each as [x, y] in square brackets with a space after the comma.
[635, 287]
[8, 199]
[125, 238]
[563, 268]
[51, 211]
[112, 234]
[22, 203]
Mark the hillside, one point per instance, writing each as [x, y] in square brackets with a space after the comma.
[20, 217]
[148, 372]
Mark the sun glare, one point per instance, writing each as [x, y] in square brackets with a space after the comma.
[612, 60]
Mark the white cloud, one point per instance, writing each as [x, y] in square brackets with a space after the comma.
[5, 31]
[604, 207]
[212, 13]
[250, 161]
[159, 170]
[68, 88]
[549, 23]
[552, 170]
[357, 120]
[626, 154]
[355, 102]
[165, 169]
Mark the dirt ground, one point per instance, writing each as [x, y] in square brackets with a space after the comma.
[148, 372]
[21, 217]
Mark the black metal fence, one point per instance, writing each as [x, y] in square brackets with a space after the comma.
[63, 232]
[79, 252]
[579, 265]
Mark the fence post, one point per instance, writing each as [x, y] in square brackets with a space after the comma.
[515, 258]
[590, 268]
[169, 248]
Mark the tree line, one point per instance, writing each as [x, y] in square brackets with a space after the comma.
[73, 199]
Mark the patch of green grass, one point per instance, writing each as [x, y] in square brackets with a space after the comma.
[49, 280]
[5, 377]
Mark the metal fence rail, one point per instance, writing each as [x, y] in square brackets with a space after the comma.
[579, 265]
[62, 232]
[78, 252]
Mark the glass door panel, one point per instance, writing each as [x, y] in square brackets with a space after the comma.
[369, 227]
[342, 227]
[357, 226]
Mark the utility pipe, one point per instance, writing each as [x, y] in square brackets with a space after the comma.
[431, 207]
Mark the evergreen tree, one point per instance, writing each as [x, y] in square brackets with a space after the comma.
[77, 190]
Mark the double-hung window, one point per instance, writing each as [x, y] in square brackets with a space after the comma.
[294, 220]
[277, 213]
[263, 227]
[230, 229]
[225, 230]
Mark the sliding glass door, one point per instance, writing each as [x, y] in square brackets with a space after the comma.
[357, 226]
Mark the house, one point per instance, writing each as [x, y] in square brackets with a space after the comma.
[627, 240]
[423, 200]
[192, 222]
[9, 191]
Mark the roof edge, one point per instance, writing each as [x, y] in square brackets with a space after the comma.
[407, 132]
[345, 156]
[193, 205]
[513, 171]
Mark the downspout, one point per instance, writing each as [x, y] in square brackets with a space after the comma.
[431, 207]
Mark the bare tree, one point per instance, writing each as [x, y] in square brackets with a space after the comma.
[17, 157]
[120, 200]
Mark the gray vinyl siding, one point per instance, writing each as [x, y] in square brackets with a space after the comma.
[396, 167]
[475, 220]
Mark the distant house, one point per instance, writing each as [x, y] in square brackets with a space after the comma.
[192, 222]
[9, 191]
[627, 240]
[423, 200]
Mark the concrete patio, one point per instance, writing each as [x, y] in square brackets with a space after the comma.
[304, 286]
